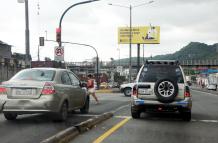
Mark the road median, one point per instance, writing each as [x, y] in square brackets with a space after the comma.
[70, 133]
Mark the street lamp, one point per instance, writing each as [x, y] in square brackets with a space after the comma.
[27, 36]
[62, 16]
[130, 7]
[97, 58]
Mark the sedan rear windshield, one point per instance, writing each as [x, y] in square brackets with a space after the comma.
[35, 74]
[153, 73]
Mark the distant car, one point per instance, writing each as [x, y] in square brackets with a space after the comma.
[43, 90]
[212, 87]
[127, 88]
[161, 87]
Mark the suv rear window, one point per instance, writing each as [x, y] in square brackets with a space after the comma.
[35, 74]
[152, 73]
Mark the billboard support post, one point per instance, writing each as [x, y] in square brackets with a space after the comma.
[138, 57]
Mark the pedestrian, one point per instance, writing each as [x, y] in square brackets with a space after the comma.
[91, 88]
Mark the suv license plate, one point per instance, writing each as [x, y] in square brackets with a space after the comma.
[144, 91]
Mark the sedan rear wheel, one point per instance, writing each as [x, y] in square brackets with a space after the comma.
[62, 115]
[10, 116]
[85, 108]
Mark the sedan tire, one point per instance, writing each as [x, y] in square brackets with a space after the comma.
[85, 108]
[62, 115]
[10, 116]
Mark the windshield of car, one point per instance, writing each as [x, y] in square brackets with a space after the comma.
[35, 74]
[153, 73]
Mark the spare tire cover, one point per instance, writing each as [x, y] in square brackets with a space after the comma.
[166, 90]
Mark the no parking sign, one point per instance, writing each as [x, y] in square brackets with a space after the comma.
[59, 53]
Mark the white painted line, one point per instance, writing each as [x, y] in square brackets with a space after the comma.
[120, 108]
[122, 117]
[211, 94]
[205, 121]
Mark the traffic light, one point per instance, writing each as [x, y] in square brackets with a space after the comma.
[58, 35]
[41, 41]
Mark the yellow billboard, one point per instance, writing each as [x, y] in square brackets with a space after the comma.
[140, 35]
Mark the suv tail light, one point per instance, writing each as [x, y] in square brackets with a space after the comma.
[3, 90]
[135, 91]
[187, 92]
[48, 89]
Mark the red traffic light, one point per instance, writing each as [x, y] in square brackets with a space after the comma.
[58, 35]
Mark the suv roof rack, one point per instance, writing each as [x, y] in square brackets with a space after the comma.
[162, 62]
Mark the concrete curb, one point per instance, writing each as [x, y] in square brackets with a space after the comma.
[70, 133]
[63, 136]
[88, 124]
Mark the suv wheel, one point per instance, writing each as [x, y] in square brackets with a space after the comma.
[10, 116]
[85, 108]
[135, 113]
[127, 91]
[166, 90]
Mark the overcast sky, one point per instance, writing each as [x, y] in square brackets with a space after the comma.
[180, 21]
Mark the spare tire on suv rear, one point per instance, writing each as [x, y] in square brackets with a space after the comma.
[166, 90]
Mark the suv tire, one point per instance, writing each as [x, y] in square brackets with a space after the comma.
[127, 91]
[166, 90]
[186, 115]
[135, 113]
[10, 116]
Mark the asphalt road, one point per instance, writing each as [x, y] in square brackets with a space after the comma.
[35, 128]
[160, 128]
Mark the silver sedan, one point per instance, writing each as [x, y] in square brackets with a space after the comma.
[43, 90]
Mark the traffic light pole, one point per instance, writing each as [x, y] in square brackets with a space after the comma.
[62, 16]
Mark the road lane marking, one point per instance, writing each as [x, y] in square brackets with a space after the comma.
[210, 94]
[205, 121]
[122, 117]
[120, 108]
[111, 130]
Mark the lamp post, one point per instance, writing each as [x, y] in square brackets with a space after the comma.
[130, 7]
[27, 36]
[62, 16]
[97, 58]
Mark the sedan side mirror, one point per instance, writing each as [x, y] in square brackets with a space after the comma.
[83, 84]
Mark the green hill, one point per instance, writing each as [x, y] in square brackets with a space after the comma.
[193, 51]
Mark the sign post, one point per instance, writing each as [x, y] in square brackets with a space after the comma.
[59, 53]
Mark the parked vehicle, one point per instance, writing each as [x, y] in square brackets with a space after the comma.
[127, 88]
[43, 90]
[212, 87]
[161, 87]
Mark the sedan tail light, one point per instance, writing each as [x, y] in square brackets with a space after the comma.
[48, 89]
[187, 92]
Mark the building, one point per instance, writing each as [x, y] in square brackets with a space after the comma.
[5, 50]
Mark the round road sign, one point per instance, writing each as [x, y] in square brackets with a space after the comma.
[59, 51]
